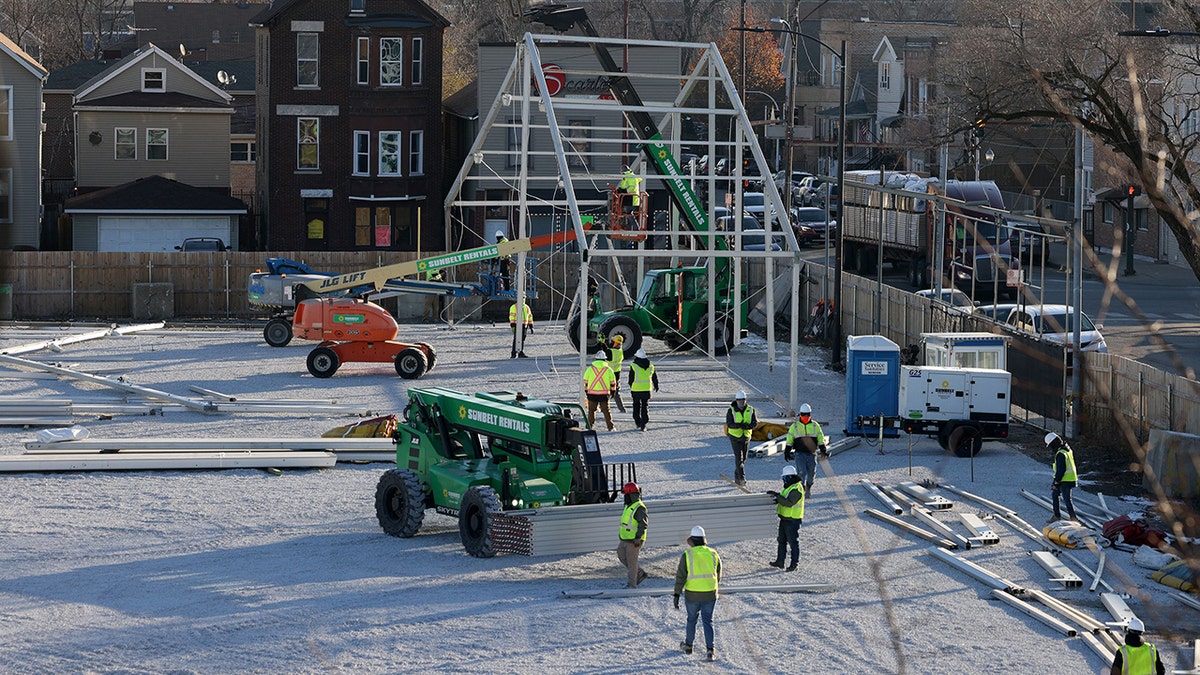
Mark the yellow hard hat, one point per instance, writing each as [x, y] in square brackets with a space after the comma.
[618, 340]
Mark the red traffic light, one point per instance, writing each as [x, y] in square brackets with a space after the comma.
[1133, 190]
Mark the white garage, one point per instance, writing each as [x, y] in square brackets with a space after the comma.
[151, 214]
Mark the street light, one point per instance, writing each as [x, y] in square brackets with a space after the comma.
[778, 116]
[841, 166]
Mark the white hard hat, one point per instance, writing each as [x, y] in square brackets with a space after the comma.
[499, 234]
[1050, 438]
[1135, 624]
[740, 395]
[698, 531]
[805, 409]
[601, 356]
[639, 354]
[788, 470]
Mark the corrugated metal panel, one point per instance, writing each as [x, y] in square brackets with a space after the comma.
[167, 461]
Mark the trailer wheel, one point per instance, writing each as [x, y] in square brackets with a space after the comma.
[430, 355]
[411, 363]
[400, 502]
[626, 328]
[943, 437]
[323, 362]
[573, 330]
[966, 440]
[278, 332]
[475, 514]
[722, 333]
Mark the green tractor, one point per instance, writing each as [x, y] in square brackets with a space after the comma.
[672, 305]
[476, 456]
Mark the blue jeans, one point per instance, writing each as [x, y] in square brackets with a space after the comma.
[704, 610]
[806, 467]
[1065, 490]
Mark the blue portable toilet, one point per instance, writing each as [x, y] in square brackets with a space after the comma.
[872, 382]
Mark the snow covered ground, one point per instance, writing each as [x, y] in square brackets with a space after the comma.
[245, 571]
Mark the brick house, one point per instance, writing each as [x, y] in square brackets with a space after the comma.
[349, 125]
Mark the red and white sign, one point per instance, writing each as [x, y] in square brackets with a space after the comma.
[556, 79]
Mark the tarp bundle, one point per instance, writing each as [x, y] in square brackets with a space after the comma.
[377, 427]
[1068, 534]
[1177, 575]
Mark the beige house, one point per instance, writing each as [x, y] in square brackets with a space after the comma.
[21, 79]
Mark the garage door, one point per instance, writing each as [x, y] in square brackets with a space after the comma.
[157, 233]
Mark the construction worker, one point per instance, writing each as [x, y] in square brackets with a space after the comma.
[512, 322]
[433, 302]
[789, 505]
[616, 357]
[641, 379]
[739, 423]
[1137, 657]
[697, 579]
[504, 264]
[1064, 475]
[631, 185]
[804, 440]
[598, 383]
[634, 521]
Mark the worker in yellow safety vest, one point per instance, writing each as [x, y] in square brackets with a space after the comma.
[789, 506]
[641, 379]
[697, 578]
[634, 523]
[1064, 475]
[527, 321]
[739, 423]
[616, 358]
[598, 384]
[1136, 656]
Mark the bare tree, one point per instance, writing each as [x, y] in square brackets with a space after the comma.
[1045, 60]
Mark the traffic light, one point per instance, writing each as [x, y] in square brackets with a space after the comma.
[979, 127]
[1132, 191]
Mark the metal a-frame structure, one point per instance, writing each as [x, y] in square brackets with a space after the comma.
[532, 144]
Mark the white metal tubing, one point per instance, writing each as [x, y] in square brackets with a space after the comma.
[193, 404]
[979, 500]
[1058, 571]
[1099, 570]
[1099, 648]
[166, 444]
[842, 445]
[928, 499]
[1082, 620]
[913, 529]
[166, 461]
[1036, 613]
[981, 529]
[725, 590]
[938, 526]
[1118, 608]
[881, 496]
[977, 572]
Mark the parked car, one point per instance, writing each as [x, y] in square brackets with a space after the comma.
[834, 198]
[753, 240]
[957, 300]
[1026, 239]
[997, 312]
[192, 244]
[809, 186]
[727, 224]
[780, 178]
[685, 162]
[813, 219]
[755, 204]
[1056, 324]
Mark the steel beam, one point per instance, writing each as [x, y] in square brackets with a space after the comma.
[882, 496]
[977, 572]
[166, 461]
[1002, 510]
[938, 526]
[1119, 609]
[913, 529]
[925, 497]
[1036, 613]
[725, 590]
[1058, 571]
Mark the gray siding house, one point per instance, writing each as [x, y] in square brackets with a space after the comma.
[150, 115]
[21, 79]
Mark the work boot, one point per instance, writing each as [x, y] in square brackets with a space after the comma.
[712, 654]
[521, 355]
[512, 355]
[776, 563]
[687, 649]
[1054, 519]
[642, 576]
[792, 567]
[740, 481]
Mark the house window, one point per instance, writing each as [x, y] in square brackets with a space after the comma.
[216, 37]
[1107, 212]
[307, 59]
[391, 57]
[156, 143]
[364, 60]
[6, 113]
[389, 153]
[885, 75]
[308, 143]
[6, 195]
[579, 143]
[384, 226]
[243, 151]
[154, 79]
[316, 218]
[362, 153]
[125, 141]
[418, 60]
[358, 6]
[416, 153]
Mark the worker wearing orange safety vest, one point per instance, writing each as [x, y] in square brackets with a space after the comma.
[598, 384]
[519, 350]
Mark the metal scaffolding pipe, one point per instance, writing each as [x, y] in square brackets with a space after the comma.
[977, 572]
[879, 494]
[725, 590]
[1036, 613]
[1004, 510]
[913, 529]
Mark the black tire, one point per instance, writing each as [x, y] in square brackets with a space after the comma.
[430, 355]
[400, 502]
[966, 440]
[674, 339]
[278, 332]
[626, 328]
[723, 334]
[573, 330]
[411, 363]
[475, 513]
[323, 362]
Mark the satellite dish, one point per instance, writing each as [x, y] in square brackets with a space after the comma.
[222, 77]
[182, 50]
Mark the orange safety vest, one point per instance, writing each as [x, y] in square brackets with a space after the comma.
[598, 379]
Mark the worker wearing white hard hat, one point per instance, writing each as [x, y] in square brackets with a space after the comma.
[789, 506]
[642, 379]
[1137, 656]
[598, 384]
[739, 423]
[696, 578]
[1065, 475]
[804, 440]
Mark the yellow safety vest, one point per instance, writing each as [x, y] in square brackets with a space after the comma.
[598, 379]
[629, 526]
[742, 417]
[793, 512]
[1069, 474]
[799, 429]
[512, 315]
[1138, 660]
[630, 184]
[643, 378]
[616, 357]
[701, 569]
